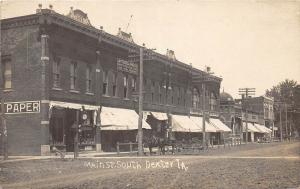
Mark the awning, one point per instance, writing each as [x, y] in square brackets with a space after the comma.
[220, 126]
[208, 127]
[158, 115]
[72, 105]
[251, 128]
[120, 119]
[182, 123]
[262, 128]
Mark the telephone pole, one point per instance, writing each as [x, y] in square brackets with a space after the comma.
[245, 92]
[143, 55]
[140, 126]
[280, 120]
[204, 116]
[3, 131]
[286, 121]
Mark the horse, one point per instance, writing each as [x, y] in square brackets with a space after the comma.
[151, 141]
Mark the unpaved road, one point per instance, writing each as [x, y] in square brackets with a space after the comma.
[275, 165]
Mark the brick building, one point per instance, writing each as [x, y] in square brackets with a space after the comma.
[55, 65]
[233, 114]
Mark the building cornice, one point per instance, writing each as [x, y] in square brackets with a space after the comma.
[21, 21]
[49, 17]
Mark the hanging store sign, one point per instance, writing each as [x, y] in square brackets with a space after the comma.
[22, 107]
[126, 66]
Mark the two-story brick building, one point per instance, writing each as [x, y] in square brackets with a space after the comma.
[53, 66]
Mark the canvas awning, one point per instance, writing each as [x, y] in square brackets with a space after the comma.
[262, 128]
[158, 115]
[120, 119]
[69, 105]
[251, 128]
[220, 126]
[208, 127]
[181, 123]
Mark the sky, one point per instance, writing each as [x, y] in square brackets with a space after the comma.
[250, 43]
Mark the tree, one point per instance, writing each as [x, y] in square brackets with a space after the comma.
[286, 92]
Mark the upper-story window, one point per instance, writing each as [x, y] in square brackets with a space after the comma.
[56, 72]
[105, 83]
[152, 91]
[7, 73]
[178, 96]
[73, 71]
[133, 84]
[114, 84]
[160, 87]
[125, 80]
[196, 98]
[213, 102]
[88, 78]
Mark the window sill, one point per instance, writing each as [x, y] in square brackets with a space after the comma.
[89, 93]
[74, 91]
[105, 95]
[57, 89]
[126, 99]
[8, 90]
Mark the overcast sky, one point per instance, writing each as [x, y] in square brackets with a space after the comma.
[249, 43]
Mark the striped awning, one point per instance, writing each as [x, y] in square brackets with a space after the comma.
[251, 128]
[262, 128]
[219, 125]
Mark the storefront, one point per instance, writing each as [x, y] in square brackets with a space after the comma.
[63, 119]
[119, 125]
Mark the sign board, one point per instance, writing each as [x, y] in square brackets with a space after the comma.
[22, 107]
[125, 66]
[251, 117]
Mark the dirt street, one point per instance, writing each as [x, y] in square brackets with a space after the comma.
[275, 165]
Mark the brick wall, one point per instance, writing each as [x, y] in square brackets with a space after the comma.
[23, 47]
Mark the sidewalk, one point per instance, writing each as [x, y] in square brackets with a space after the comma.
[93, 154]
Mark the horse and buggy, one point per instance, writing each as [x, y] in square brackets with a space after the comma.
[164, 144]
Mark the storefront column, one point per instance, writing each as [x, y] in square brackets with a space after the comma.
[45, 142]
[98, 102]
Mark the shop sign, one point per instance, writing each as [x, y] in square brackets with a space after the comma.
[22, 107]
[126, 66]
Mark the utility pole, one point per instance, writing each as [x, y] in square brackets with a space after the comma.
[280, 120]
[3, 118]
[140, 126]
[204, 116]
[245, 92]
[286, 121]
[76, 134]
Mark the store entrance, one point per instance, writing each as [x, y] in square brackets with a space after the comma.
[62, 133]
[70, 116]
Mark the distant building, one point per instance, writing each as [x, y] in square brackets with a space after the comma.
[233, 114]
